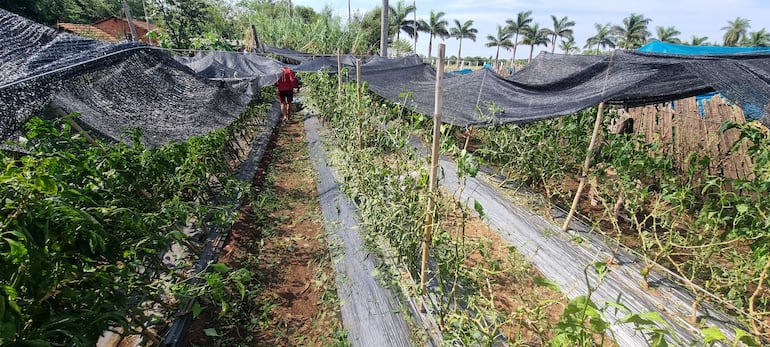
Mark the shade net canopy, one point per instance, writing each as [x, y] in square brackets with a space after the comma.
[554, 85]
[115, 87]
[122, 86]
[326, 63]
[234, 66]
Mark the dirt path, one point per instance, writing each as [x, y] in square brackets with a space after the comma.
[279, 238]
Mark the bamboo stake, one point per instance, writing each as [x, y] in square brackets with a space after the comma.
[60, 113]
[428, 227]
[358, 91]
[468, 134]
[586, 164]
[339, 73]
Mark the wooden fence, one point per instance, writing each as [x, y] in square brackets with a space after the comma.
[682, 129]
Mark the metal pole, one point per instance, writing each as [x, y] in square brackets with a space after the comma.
[384, 29]
[428, 227]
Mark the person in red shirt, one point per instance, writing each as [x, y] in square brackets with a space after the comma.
[286, 85]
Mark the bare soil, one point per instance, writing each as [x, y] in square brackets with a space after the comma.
[286, 252]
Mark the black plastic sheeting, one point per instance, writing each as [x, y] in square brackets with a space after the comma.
[115, 87]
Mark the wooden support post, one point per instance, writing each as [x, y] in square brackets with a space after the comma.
[428, 227]
[134, 36]
[256, 39]
[146, 20]
[414, 25]
[339, 74]
[359, 113]
[60, 113]
[468, 134]
[586, 164]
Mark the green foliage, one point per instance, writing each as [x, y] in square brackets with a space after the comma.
[311, 32]
[183, 20]
[84, 226]
[388, 182]
[538, 154]
[50, 12]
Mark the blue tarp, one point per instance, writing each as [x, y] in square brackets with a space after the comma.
[672, 48]
[460, 72]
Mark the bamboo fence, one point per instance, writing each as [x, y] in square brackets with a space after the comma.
[683, 129]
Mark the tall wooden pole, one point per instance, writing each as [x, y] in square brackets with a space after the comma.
[350, 17]
[339, 74]
[414, 25]
[146, 19]
[358, 91]
[384, 29]
[256, 38]
[586, 164]
[428, 227]
[134, 36]
[291, 14]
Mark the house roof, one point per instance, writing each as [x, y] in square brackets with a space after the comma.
[87, 30]
[137, 23]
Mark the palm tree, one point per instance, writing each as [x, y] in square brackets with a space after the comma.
[463, 31]
[604, 37]
[436, 26]
[398, 19]
[668, 34]
[503, 39]
[569, 46]
[561, 28]
[698, 40]
[534, 36]
[523, 19]
[736, 31]
[634, 31]
[757, 39]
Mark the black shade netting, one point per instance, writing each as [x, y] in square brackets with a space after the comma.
[295, 56]
[326, 63]
[144, 91]
[115, 87]
[262, 71]
[553, 85]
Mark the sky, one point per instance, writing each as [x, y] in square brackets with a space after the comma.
[690, 17]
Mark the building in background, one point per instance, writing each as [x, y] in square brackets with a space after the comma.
[118, 27]
[112, 29]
